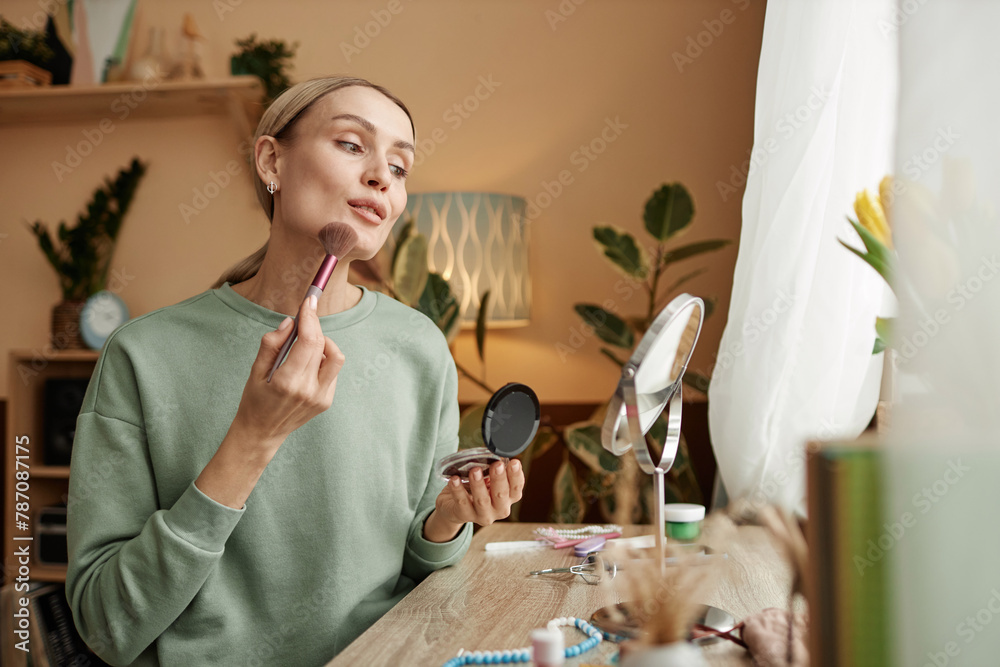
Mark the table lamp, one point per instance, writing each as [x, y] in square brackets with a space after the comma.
[478, 241]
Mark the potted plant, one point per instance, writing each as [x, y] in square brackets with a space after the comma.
[84, 255]
[588, 473]
[23, 56]
[267, 60]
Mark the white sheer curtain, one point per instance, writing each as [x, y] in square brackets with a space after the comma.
[795, 359]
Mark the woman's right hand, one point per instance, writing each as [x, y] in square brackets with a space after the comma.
[301, 388]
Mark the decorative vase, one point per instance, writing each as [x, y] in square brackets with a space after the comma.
[66, 325]
[678, 654]
[154, 64]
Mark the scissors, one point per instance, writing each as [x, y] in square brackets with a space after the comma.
[592, 569]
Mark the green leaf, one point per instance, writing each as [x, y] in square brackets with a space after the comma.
[609, 327]
[451, 323]
[583, 439]
[437, 303]
[84, 255]
[481, 324]
[611, 355]
[877, 255]
[668, 211]
[470, 427]
[543, 441]
[567, 503]
[693, 250]
[409, 272]
[620, 247]
[696, 381]
[883, 327]
[405, 232]
[883, 333]
[881, 267]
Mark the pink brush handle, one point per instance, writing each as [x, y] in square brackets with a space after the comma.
[316, 288]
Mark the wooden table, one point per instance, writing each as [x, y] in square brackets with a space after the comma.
[487, 601]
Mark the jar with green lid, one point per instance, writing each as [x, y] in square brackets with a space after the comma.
[683, 521]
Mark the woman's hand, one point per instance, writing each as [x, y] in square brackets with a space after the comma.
[484, 501]
[301, 388]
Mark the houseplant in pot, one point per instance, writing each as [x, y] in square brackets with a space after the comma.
[23, 56]
[83, 254]
[267, 60]
[588, 473]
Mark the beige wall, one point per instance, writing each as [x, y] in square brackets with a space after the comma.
[558, 82]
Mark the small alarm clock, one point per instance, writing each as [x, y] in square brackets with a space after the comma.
[103, 313]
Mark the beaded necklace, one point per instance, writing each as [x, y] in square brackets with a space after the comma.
[594, 637]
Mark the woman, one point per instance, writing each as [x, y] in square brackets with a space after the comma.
[173, 561]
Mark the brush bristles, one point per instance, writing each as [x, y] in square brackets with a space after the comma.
[338, 239]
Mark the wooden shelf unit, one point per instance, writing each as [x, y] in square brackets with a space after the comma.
[239, 97]
[48, 485]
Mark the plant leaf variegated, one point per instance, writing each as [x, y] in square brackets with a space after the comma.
[409, 267]
[668, 212]
[625, 254]
[609, 327]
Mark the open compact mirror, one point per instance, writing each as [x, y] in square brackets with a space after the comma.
[510, 421]
[650, 385]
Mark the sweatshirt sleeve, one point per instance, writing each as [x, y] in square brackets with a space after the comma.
[133, 566]
[423, 556]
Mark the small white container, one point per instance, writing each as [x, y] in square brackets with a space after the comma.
[683, 521]
[548, 647]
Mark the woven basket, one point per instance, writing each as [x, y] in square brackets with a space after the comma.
[66, 325]
[22, 74]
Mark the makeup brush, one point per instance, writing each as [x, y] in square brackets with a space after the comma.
[338, 239]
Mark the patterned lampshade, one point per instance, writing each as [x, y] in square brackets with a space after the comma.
[478, 241]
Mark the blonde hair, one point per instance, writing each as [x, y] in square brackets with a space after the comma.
[279, 121]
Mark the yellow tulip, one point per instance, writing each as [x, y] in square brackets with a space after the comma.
[872, 217]
[885, 197]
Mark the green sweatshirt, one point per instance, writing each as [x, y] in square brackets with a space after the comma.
[330, 538]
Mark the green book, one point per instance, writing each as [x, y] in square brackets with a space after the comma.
[849, 555]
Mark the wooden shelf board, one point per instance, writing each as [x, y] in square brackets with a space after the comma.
[55, 573]
[119, 102]
[50, 472]
[54, 355]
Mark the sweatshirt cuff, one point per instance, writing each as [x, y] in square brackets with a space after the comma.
[437, 553]
[202, 521]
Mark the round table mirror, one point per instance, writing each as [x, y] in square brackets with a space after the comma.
[650, 385]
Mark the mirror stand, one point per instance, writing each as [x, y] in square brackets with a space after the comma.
[658, 468]
[650, 385]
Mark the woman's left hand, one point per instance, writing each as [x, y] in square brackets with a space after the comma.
[483, 500]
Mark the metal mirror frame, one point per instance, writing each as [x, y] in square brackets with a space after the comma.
[625, 401]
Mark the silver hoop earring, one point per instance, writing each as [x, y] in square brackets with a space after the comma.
[272, 188]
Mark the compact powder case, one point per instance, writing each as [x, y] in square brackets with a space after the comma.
[510, 421]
